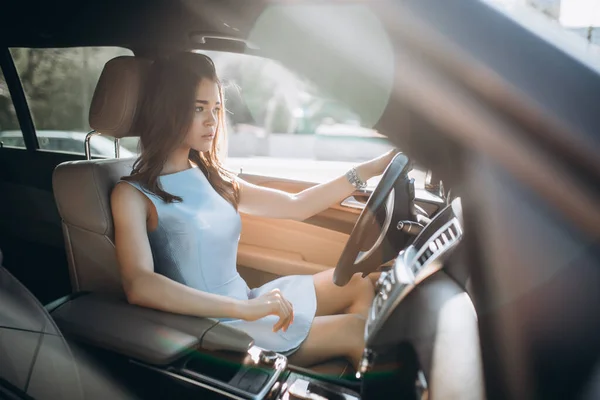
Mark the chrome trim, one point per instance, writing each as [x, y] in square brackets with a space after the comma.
[389, 209]
[117, 148]
[435, 246]
[201, 38]
[408, 277]
[352, 202]
[88, 137]
[421, 386]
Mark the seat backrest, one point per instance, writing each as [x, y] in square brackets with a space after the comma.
[82, 188]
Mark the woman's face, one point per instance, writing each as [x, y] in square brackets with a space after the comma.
[206, 116]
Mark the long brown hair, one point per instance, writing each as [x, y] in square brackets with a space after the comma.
[166, 115]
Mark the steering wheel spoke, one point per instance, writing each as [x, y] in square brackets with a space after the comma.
[354, 259]
[389, 213]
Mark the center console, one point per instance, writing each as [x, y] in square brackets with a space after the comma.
[256, 374]
[199, 353]
[413, 266]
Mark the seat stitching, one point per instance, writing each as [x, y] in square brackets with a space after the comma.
[99, 198]
[34, 359]
[70, 254]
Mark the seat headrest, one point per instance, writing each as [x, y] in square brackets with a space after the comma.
[117, 94]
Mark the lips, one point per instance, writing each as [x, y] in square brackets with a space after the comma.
[208, 136]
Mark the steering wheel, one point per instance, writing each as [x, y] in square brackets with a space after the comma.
[353, 259]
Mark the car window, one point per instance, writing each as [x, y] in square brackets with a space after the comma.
[61, 144]
[282, 125]
[12, 141]
[59, 85]
[8, 117]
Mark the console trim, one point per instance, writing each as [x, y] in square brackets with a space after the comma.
[389, 213]
[206, 382]
[189, 380]
[407, 278]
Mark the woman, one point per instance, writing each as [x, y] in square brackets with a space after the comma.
[177, 227]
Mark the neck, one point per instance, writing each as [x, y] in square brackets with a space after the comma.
[177, 161]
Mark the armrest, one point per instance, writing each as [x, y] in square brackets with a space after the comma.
[152, 336]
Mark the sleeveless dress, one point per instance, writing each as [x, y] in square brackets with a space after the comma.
[196, 244]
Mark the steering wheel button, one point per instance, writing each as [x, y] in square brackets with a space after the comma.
[439, 243]
[432, 247]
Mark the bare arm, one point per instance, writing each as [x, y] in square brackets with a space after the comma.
[272, 203]
[142, 285]
[146, 288]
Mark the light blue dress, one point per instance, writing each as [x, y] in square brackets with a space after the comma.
[196, 244]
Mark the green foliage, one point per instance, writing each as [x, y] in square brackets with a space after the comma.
[59, 85]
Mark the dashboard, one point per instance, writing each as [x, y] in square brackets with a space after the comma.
[422, 333]
[424, 257]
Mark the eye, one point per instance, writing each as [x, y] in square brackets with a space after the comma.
[199, 109]
[218, 109]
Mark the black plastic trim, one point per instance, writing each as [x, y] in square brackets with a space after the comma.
[56, 304]
[19, 100]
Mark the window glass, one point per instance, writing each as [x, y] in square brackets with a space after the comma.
[10, 133]
[59, 85]
[283, 126]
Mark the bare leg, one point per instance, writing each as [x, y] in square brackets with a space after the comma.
[355, 298]
[332, 336]
[374, 276]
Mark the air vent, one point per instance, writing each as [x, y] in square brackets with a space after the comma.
[443, 239]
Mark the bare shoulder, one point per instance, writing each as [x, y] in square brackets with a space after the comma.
[126, 199]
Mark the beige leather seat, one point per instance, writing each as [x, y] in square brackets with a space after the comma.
[82, 188]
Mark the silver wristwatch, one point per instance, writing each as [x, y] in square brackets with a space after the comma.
[355, 180]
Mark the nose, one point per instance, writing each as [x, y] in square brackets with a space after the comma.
[212, 119]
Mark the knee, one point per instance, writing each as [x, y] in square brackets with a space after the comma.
[362, 285]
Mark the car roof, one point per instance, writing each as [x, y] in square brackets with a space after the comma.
[133, 23]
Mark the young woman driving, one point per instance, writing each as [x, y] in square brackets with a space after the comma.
[177, 226]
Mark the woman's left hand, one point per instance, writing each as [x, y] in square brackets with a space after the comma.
[376, 166]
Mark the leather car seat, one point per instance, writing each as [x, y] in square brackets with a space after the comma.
[36, 360]
[82, 188]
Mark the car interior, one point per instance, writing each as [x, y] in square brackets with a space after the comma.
[489, 273]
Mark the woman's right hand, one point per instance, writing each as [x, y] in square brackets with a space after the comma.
[271, 303]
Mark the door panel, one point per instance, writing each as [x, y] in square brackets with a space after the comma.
[285, 247]
[273, 247]
[31, 235]
[270, 248]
